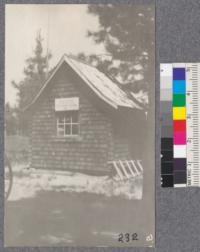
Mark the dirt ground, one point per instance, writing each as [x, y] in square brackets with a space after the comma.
[70, 219]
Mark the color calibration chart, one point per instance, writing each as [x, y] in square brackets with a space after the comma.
[180, 124]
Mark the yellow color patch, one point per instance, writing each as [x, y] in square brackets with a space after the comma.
[179, 113]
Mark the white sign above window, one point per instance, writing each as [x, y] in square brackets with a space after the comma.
[66, 104]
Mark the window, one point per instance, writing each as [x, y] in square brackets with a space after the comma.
[68, 124]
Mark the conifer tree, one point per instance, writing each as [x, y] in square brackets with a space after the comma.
[35, 73]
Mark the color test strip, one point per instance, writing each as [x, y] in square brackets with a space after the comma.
[180, 124]
[173, 125]
[179, 115]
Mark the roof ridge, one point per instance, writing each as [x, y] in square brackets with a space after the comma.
[74, 57]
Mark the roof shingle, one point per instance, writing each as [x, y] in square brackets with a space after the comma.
[102, 86]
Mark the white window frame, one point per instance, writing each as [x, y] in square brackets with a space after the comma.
[70, 123]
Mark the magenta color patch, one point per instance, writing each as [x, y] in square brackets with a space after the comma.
[180, 137]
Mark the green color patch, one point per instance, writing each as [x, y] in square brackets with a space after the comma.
[179, 100]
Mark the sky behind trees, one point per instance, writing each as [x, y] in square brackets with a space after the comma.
[65, 35]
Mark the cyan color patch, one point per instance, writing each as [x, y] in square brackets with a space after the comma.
[179, 87]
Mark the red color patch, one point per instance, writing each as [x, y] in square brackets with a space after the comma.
[179, 125]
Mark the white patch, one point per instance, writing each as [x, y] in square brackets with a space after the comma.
[180, 151]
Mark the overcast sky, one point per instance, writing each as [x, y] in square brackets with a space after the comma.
[68, 25]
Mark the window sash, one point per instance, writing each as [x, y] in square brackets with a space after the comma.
[67, 122]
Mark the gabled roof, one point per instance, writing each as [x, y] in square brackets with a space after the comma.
[102, 86]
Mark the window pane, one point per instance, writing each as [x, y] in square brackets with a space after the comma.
[67, 119]
[75, 117]
[60, 130]
[67, 129]
[75, 129]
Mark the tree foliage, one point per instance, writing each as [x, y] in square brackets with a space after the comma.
[35, 72]
[127, 31]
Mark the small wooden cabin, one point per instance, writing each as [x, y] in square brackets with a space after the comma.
[81, 120]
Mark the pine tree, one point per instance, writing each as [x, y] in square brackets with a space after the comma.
[127, 32]
[35, 73]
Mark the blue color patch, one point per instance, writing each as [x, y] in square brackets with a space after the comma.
[179, 87]
[179, 73]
